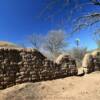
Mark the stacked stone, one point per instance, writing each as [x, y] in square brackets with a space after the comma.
[29, 65]
[49, 70]
[68, 65]
[97, 63]
[93, 65]
[8, 67]
[1, 73]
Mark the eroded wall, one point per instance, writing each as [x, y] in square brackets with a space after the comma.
[26, 65]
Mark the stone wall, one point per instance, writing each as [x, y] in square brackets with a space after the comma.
[94, 65]
[26, 65]
[91, 62]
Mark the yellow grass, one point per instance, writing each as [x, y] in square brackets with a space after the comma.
[7, 44]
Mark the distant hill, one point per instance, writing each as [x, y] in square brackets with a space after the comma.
[7, 44]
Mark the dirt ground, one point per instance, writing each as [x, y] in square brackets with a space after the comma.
[70, 88]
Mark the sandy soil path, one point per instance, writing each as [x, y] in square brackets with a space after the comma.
[70, 88]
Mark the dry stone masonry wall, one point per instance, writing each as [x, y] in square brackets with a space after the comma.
[29, 65]
[91, 62]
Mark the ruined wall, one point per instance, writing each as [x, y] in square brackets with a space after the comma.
[27, 65]
[91, 61]
[94, 65]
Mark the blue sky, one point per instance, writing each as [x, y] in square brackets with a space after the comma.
[19, 18]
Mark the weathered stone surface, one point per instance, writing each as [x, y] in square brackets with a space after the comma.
[19, 65]
[91, 61]
[68, 64]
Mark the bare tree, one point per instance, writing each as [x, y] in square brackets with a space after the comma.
[80, 22]
[97, 37]
[86, 21]
[55, 42]
[35, 40]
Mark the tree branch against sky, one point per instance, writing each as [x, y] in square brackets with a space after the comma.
[19, 18]
[64, 4]
[96, 2]
[66, 9]
[36, 41]
[79, 14]
[56, 42]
